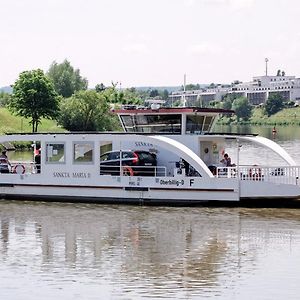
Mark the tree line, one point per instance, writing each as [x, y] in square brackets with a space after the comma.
[62, 94]
[243, 109]
[240, 104]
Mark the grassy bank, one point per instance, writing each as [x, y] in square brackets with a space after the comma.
[287, 116]
[10, 124]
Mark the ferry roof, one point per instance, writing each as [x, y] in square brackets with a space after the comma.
[172, 110]
[226, 134]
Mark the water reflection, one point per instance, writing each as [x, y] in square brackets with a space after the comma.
[136, 251]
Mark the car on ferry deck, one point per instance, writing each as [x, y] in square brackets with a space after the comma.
[135, 163]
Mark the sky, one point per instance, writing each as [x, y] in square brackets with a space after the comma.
[151, 42]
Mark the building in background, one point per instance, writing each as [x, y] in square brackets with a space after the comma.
[256, 91]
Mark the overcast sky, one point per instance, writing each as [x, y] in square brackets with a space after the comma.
[151, 42]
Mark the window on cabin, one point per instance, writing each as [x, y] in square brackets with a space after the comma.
[105, 146]
[169, 123]
[207, 123]
[198, 124]
[128, 123]
[55, 152]
[159, 123]
[194, 124]
[83, 152]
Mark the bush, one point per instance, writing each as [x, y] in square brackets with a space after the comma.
[274, 104]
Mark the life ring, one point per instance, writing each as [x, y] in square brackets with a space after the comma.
[127, 171]
[255, 173]
[19, 169]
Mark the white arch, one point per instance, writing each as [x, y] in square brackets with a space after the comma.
[184, 152]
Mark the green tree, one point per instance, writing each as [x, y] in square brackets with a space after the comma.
[228, 99]
[86, 111]
[34, 97]
[274, 104]
[66, 80]
[4, 98]
[154, 93]
[242, 108]
[235, 82]
[164, 94]
[131, 96]
[191, 86]
[227, 103]
[100, 87]
[111, 95]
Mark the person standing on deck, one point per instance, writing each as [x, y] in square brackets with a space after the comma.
[37, 160]
[4, 163]
[226, 160]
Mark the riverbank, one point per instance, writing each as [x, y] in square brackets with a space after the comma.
[287, 116]
[11, 124]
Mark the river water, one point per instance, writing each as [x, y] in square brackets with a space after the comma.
[89, 251]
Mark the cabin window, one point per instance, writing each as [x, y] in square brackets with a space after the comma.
[207, 123]
[83, 152]
[197, 124]
[55, 152]
[128, 123]
[168, 123]
[194, 124]
[159, 123]
[105, 146]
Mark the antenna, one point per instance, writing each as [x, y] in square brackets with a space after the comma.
[183, 98]
[266, 60]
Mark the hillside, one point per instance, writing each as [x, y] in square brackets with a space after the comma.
[287, 116]
[10, 123]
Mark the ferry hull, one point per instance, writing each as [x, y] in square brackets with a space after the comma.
[146, 194]
[291, 201]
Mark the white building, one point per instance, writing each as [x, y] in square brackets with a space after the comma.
[257, 91]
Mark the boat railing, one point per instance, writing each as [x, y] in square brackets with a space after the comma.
[274, 174]
[149, 171]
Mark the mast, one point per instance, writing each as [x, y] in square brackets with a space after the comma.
[183, 99]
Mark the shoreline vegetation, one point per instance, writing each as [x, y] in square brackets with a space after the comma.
[285, 117]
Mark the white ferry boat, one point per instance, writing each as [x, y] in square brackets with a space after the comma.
[187, 166]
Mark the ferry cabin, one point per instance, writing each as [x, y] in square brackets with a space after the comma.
[190, 126]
